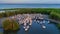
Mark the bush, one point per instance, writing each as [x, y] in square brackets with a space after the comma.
[53, 13]
[58, 26]
[9, 24]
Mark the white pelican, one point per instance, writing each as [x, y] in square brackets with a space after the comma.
[48, 21]
[43, 26]
[27, 26]
[26, 29]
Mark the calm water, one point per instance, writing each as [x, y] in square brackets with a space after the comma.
[29, 6]
[36, 28]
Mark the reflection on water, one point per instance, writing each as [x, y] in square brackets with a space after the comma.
[36, 25]
[36, 28]
[7, 32]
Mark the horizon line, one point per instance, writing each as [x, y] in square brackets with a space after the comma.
[28, 3]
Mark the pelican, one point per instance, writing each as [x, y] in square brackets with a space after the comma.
[43, 26]
[48, 21]
[26, 29]
[30, 21]
[24, 24]
[30, 24]
[38, 21]
[27, 26]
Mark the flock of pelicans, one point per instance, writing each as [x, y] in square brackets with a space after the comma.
[26, 19]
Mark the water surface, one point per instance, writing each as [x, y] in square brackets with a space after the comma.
[36, 28]
[2, 6]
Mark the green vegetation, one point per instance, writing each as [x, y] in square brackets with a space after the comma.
[58, 26]
[55, 15]
[1, 32]
[10, 25]
[52, 12]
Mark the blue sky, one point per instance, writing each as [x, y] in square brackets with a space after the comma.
[31, 1]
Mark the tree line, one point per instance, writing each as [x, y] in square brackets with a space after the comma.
[53, 13]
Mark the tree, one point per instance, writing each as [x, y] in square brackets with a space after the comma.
[10, 25]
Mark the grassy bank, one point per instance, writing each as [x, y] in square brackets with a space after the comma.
[53, 12]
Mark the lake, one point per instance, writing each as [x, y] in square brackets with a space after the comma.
[2, 6]
[36, 28]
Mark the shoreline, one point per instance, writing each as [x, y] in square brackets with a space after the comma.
[52, 12]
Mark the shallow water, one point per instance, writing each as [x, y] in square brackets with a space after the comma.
[36, 28]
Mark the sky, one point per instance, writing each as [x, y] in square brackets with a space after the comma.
[31, 1]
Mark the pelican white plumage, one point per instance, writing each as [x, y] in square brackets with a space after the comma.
[26, 29]
[48, 21]
[27, 26]
[30, 24]
[43, 26]
[30, 21]
[38, 21]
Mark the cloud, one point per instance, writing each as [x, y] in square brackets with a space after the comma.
[30, 1]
